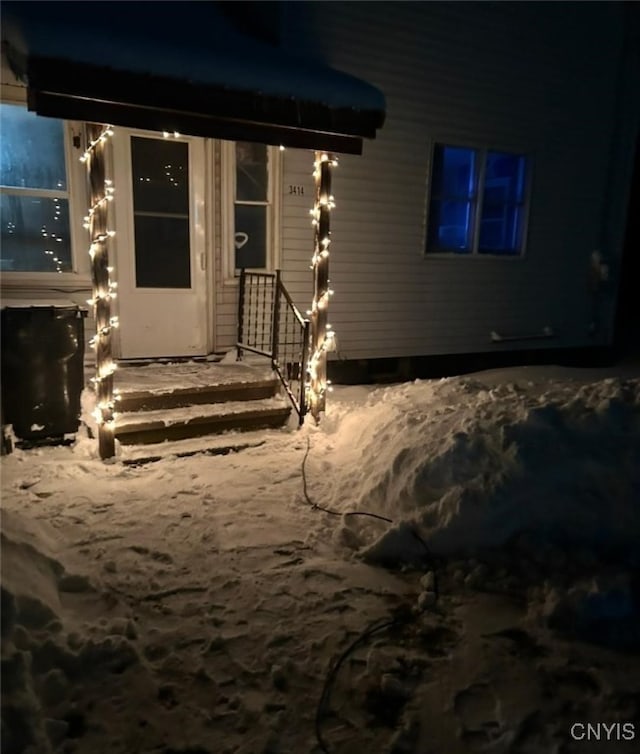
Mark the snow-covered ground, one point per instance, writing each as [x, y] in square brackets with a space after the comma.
[196, 605]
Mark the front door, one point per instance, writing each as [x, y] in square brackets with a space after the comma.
[160, 245]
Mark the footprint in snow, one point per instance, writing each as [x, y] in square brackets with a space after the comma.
[478, 710]
[161, 557]
[520, 643]
[572, 684]
[167, 696]
[534, 735]
[289, 563]
[311, 572]
[437, 640]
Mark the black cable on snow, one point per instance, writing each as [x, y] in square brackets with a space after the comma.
[333, 672]
[316, 506]
[406, 618]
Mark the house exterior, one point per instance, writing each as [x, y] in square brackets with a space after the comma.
[487, 215]
[558, 83]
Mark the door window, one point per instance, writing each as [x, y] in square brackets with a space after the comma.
[160, 174]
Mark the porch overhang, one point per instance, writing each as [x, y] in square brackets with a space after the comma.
[86, 66]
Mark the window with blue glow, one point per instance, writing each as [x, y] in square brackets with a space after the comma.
[477, 201]
[452, 199]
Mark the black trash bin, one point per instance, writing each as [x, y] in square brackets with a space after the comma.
[42, 369]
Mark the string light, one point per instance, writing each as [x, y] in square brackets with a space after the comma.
[105, 330]
[323, 335]
[101, 139]
[102, 295]
[104, 291]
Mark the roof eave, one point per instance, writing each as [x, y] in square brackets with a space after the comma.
[65, 89]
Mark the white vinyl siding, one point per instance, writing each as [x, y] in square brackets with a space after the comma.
[513, 76]
[486, 74]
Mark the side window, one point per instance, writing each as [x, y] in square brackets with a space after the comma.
[503, 204]
[35, 232]
[454, 193]
[478, 202]
[251, 205]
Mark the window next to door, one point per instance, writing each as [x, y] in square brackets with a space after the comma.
[250, 189]
[37, 226]
[478, 203]
[34, 200]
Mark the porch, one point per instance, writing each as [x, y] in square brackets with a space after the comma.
[227, 87]
[252, 387]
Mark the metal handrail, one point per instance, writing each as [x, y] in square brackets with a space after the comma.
[270, 324]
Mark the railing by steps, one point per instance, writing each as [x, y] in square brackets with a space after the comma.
[270, 324]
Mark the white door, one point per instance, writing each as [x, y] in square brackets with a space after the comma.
[160, 245]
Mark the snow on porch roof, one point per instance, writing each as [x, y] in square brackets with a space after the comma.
[180, 66]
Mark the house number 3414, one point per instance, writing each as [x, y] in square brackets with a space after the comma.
[296, 190]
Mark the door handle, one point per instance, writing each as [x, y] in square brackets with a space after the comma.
[203, 261]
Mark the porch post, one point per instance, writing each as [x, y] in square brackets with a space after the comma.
[321, 332]
[101, 194]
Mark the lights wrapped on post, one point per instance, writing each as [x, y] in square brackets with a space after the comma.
[321, 332]
[104, 288]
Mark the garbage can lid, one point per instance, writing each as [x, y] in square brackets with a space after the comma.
[54, 303]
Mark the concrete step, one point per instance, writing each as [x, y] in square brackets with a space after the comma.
[168, 424]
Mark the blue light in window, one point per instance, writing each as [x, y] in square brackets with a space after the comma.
[453, 190]
[502, 218]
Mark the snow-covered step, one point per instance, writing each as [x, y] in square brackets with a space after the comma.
[198, 420]
[163, 377]
[220, 444]
[164, 397]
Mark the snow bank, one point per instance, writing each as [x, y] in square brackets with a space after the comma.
[604, 610]
[472, 465]
[204, 589]
[41, 658]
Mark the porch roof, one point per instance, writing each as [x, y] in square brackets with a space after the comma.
[181, 67]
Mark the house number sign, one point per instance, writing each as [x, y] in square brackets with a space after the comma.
[296, 190]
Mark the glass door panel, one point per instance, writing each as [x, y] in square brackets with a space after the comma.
[160, 182]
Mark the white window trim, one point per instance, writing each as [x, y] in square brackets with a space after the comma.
[474, 253]
[79, 278]
[274, 222]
